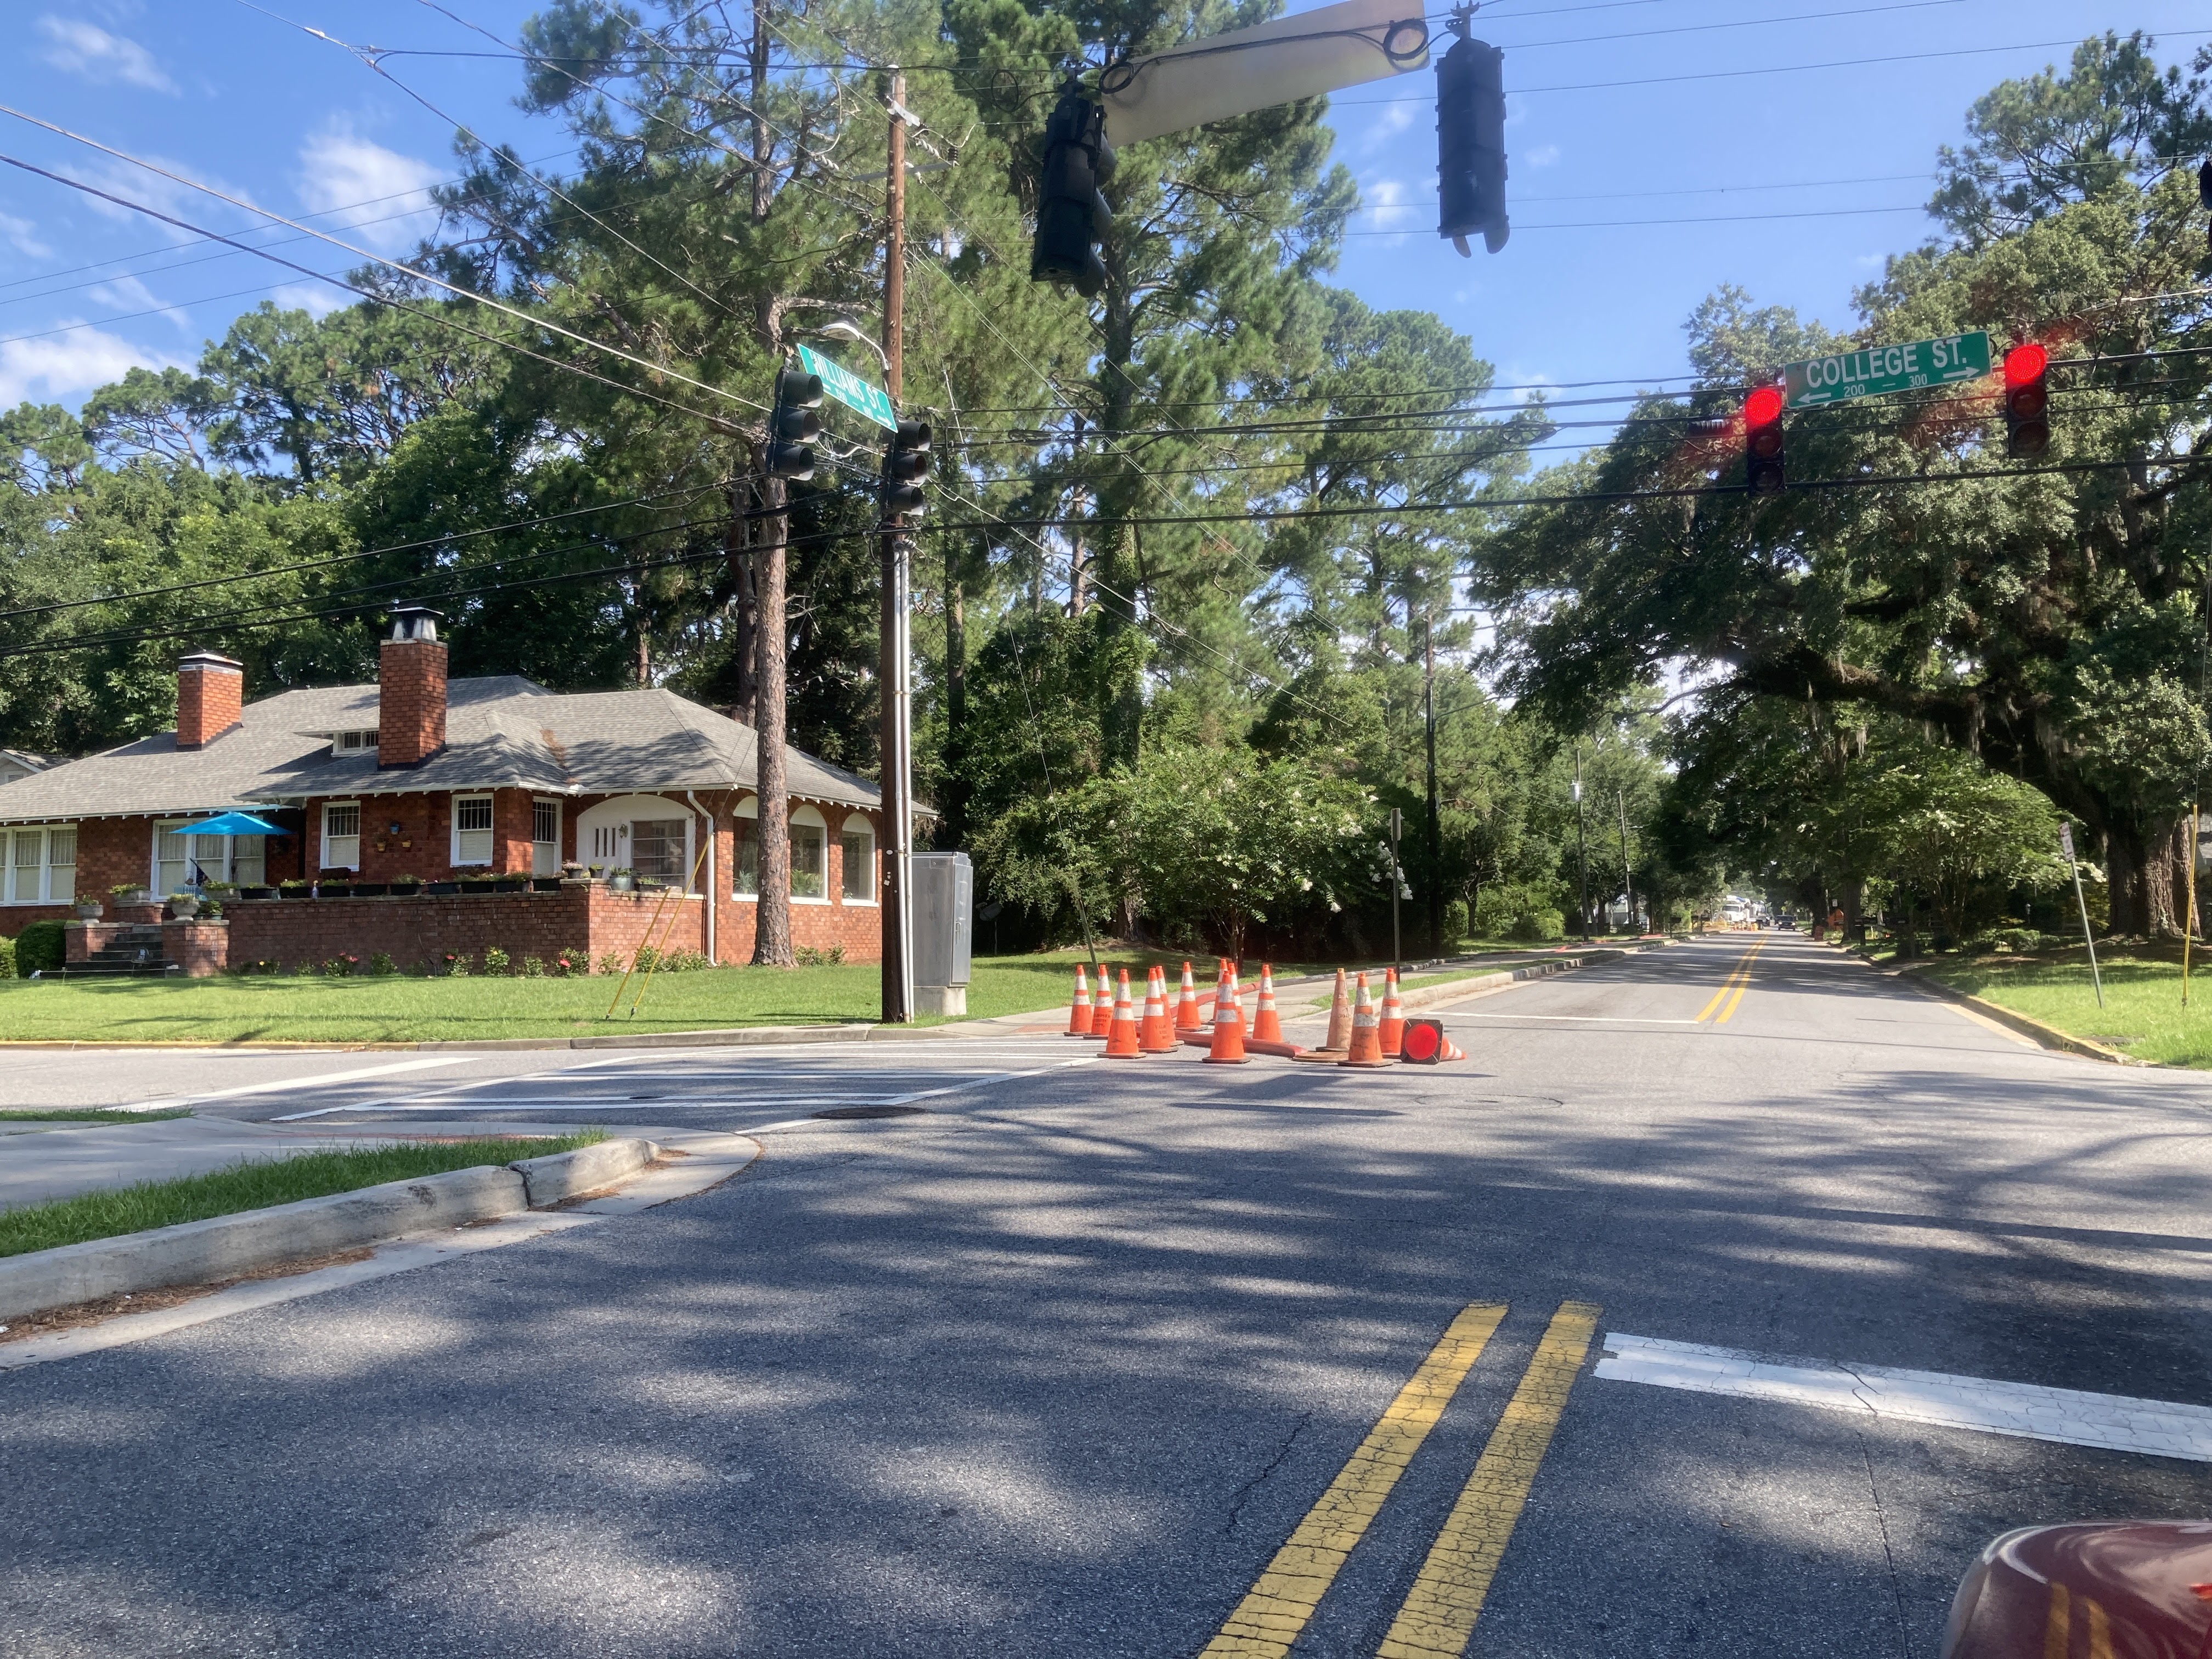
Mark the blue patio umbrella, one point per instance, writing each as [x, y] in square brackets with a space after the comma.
[231, 824]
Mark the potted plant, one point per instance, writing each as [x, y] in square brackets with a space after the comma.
[406, 886]
[88, 909]
[371, 889]
[256, 891]
[210, 911]
[184, 906]
[511, 881]
[294, 889]
[623, 880]
[441, 887]
[478, 881]
[133, 892]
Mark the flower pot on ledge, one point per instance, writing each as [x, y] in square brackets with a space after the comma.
[88, 911]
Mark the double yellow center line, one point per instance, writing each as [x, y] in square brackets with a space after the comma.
[1722, 1005]
[1437, 1618]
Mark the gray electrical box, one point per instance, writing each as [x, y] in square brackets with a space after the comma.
[944, 885]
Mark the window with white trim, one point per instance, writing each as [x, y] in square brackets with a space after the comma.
[657, 846]
[341, 835]
[544, 837]
[182, 863]
[352, 742]
[810, 861]
[858, 844]
[472, 830]
[38, 866]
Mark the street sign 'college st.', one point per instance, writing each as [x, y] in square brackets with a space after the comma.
[1877, 370]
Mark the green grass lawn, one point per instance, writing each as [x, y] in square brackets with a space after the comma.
[255, 1185]
[311, 1009]
[2142, 1015]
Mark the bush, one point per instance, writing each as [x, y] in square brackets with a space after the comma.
[533, 968]
[613, 962]
[808, 957]
[7, 958]
[1508, 910]
[570, 965]
[454, 964]
[382, 965]
[494, 960]
[40, 948]
[345, 966]
[1455, 920]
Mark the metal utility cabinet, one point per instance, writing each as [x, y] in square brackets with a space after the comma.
[943, 929]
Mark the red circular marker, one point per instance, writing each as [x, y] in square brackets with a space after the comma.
[1763, 406]
[2024, 363]
[1422, 1040]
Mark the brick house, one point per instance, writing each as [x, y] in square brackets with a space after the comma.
[446, 782]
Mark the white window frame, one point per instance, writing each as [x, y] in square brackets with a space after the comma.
[43, 887]
[354, 743]
[552, 864]
[216, 867]
[322, 859]
[747, 812]
[491, 846]
[858, 824]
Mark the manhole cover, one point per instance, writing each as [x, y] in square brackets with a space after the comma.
[874, 1111]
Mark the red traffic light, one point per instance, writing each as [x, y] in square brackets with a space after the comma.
[1763, 406]
[2024, 363]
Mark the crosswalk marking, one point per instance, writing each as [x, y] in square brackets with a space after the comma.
[1437, 1618]
[1276, 1608]
[2025, 1411]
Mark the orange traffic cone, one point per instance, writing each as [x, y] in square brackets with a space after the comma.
[1102, 1008]
[1156, 1032]
[1452, 1051]
[1392, 1025]
[1228, 1046]
[1078, 1011]
[1186, 1017]
[1340, 1018]
[1267, 1025]
[1122, 1034]
[1366, 1032]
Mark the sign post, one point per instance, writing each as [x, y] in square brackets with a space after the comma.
[1877, 371]
[2066, 846]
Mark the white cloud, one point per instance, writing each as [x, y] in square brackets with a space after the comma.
[1394, 119]
[1390, 203]
[1546, 156]
[22, 236]
[313, 298]
[129, 294]
[101, 57]
[355, 180]
[54, 368]
[136, 184]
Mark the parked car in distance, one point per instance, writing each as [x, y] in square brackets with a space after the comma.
[2132, 1589]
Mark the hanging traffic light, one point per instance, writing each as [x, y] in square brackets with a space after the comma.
[2026, 401]
[1471, 142]
[793, 424]
[2204, 190]
[1762, 440]
[905, 467]
[1072, 216]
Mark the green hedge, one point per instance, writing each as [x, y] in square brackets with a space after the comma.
[38, 949]
[7, 958]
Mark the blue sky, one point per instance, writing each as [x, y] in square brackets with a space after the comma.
[1792, 182]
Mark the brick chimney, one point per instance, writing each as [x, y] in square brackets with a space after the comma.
[411, 689]
[211, 692]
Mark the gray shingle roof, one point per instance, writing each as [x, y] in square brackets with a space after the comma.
[502, 732]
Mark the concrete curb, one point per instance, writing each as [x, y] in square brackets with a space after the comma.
[2049, 1036]
[224, 1246]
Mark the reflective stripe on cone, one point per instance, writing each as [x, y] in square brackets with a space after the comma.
[1227, 1048]
[1078, 1011]
[1156, 1033]
[1366, 1032]
[1267, 1025]
[1121, 1033]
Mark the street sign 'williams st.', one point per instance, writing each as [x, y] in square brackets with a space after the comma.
[1878, 370]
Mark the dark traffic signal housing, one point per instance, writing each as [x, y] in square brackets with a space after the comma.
[793, 424]
[1470, 142]
[905, 465]
[1762, 440]
[2026, 401]
[1073, 217]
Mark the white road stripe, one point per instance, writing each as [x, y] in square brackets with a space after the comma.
[480, 1103]
[2155, 1428]
[316, 1081]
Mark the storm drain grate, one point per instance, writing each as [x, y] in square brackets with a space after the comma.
[874, 1111]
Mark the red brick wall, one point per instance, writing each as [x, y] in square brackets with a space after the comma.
[411, 931]
[201, 948]
[411, 701]
[858, 927]
[210, 693]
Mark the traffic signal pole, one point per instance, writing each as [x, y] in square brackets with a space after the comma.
[895, 671]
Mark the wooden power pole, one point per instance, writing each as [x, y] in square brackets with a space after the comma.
[895, 667]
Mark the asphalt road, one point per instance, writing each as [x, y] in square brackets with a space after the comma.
[1056, 1363]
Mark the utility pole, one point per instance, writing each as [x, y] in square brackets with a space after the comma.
[1627, 874]
[1397, 884]
[894, 671]
[1435, 828]
[1582, 843]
